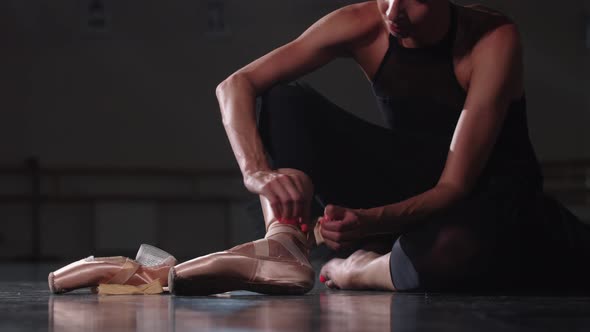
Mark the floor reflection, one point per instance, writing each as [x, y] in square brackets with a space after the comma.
[330, 311]
[346, 312]
[338, 311]
[103, 313]
[264, 314]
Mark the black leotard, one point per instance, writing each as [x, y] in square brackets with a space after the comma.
[420, 97]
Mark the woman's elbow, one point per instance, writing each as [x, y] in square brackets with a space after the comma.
[221, 87]
[454, 191]
[234, 81]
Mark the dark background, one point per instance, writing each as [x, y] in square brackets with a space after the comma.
[111, 136]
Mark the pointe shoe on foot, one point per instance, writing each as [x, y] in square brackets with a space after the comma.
[277, 264]
[150, 264]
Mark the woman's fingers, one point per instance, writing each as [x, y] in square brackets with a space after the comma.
[339, 236]
[275, 195]
[304, 204]
[286, 197]
[332, 245]
[337, 245]
[279, 189]
[285, 192]
[334, 212]
[346, 224]
[275, 203]
[295, 200]
[343, 232]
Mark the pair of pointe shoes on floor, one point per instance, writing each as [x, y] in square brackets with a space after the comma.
[277, 264]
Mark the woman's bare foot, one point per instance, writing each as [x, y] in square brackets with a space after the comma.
[364, 269]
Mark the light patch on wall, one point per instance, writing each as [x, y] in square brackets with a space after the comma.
[95, 18]
[216, 18]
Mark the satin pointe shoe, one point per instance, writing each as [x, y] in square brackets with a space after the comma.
[151, 263]
[277, 264]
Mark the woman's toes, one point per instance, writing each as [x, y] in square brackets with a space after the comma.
[331, 284]
[331, 272]
[348, 273]
[330, 267]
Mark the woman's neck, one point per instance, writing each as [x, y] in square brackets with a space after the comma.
[431, 32]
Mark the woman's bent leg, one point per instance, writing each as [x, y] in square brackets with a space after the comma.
[351, 162]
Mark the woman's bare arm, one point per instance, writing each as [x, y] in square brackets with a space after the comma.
[497, 79]
[330, 37]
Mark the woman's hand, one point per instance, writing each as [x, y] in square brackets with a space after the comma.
[285, 190]
[342, 227]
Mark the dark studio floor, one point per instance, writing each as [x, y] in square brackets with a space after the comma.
[26, 305]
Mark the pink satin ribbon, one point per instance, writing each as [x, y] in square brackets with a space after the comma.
[296, 222]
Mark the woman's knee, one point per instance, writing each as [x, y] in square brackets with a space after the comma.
[283, 97]
[295, 101]
[280, 108]
[432, 260]
[453, 247]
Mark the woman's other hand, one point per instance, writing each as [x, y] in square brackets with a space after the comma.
[343, 227]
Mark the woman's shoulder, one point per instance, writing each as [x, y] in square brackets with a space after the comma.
[360, 17]
[475, 22]
[479, 9]
[356, 27]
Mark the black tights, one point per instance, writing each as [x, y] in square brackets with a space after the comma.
[476, 244]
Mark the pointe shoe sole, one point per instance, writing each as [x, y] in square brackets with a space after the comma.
[204, 284]
[207, 285]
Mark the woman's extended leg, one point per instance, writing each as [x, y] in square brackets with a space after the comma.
[276, 264]
[445, 258]
[449, 251]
